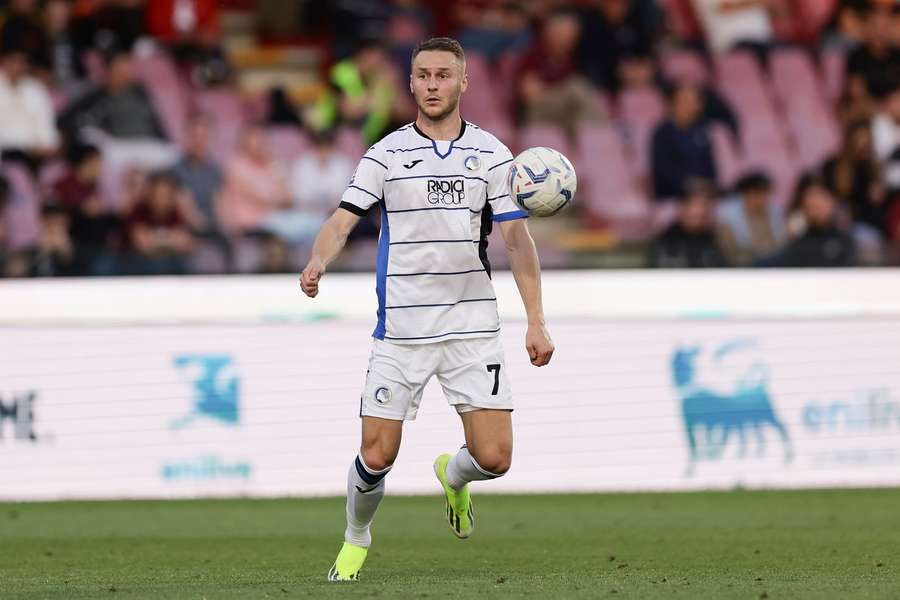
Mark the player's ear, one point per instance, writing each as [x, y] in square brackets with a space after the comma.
[465, 80]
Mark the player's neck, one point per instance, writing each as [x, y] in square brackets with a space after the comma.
[447, 129]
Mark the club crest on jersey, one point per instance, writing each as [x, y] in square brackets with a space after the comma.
[472, 163]
[383, 395]
[446, 191]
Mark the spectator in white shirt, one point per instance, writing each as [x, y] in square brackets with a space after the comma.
[27, 121]
[730, 22]
[886, 136]
[318, 179]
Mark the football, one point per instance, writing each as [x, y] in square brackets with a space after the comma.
[542, 181]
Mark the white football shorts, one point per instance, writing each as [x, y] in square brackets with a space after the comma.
[472, 373]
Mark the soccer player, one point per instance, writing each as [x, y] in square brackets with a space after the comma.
[440, 184]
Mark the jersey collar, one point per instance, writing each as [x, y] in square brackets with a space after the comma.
[462, 130]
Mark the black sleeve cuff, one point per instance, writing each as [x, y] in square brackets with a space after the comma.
[359, 212]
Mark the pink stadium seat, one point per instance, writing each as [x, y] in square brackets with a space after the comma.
[606, 187]
[227, 113]
[349, 142]
[808, 116]
[549, 136]
[641, 110]
[833, 72]
[815, 13]
[727, 157]
[287, 143]
[24, 209]
[161, 79]
[685, 65]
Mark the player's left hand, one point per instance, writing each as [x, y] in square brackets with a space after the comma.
[538, 345]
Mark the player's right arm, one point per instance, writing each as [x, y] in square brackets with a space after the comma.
[327, 247]
[364, 190]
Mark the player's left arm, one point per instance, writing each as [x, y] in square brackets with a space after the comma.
[526, 268]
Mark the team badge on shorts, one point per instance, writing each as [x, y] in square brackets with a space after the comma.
[383, 396]
[472, 163]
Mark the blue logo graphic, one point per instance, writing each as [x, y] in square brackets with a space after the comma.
[215, 390]
[712, 416]
[205, 468]
[537, 177]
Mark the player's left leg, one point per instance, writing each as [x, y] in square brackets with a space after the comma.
[476, 384]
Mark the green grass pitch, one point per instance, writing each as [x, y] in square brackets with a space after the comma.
[748, 545]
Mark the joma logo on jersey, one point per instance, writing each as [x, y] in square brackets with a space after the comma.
[446, 191]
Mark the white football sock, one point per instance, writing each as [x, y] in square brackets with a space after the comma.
[365, 489]
[462, 469]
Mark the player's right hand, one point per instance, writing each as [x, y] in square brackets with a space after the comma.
[309, 278]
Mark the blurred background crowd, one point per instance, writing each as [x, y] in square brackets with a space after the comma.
[194, 136]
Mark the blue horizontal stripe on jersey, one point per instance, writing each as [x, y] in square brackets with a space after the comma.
[500, 164]
[498, 197]
[375, 161]
[435, 242]
[436, 273]
[409, 149]
[431, 337]
[433, 305]
[403, 210]
[356, 187]
[509, 216]
[436, 177]
[393, 150]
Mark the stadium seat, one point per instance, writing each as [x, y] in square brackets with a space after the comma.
[641, 110]
[726, 155]
[545, 135]
[349, 142]
[607, 189]
[207, 259]
[833, 73]
[287, 143]
[160, 77]
[807, 115]
[685, 65]
[24, 208]
[227, 114]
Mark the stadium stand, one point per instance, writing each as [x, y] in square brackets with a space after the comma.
[786, 82]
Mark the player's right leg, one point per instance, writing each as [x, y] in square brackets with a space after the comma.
[365, 489]
[393, 391]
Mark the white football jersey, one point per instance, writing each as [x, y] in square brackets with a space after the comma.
[438, 202]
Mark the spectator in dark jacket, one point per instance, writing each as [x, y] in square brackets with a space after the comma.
[681, 146]
[690, 242]
[122, 109]
[823, 242]
[854, 174]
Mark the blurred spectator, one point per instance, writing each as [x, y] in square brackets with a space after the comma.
[408, 24]
[819, 240]
[6, 260]
[847, 29]
[95, 230]
[681, 146]
[54, 253]
[616, 43]
[749, 225]
[875, 65]
[21, 29]
[854, 175]
[363, 93]
[191, 30]
[255, 186]
[551, 89]
[317, 181]
[61, 58]
[121, 108]
[690, 242]
[728, 23]
[886, 135]
[109, 25]
[492, 30]
[275, 256]
[202, 179]
[27, 127]
[353, 21]
[158, 231]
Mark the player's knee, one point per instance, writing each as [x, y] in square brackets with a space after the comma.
[494, 461]
[376, 458]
